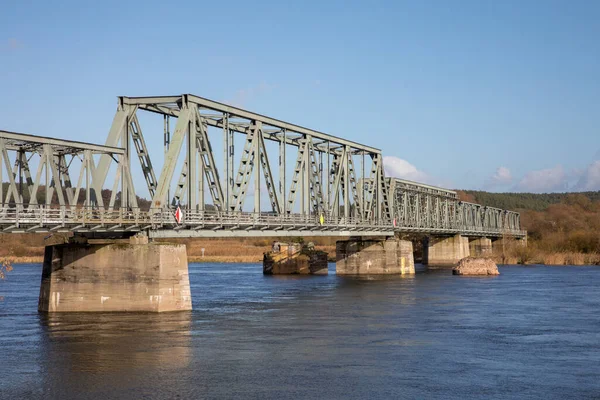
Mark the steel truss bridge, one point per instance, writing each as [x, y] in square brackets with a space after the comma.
[289, 181]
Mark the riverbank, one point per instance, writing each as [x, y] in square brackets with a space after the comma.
[255, 255]
[531, 255]
[29, 248]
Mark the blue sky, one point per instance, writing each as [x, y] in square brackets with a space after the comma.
[494, 95]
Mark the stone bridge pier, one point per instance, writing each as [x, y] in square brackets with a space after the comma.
[480, 247]
[445, 251]
[115, 275]
[374, 256]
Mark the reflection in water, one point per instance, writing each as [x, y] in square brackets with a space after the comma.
[116, 342]
[531, 332]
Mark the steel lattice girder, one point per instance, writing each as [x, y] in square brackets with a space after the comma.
[372, 205]
[54, 158]
[424, 208]
[315, 195]
[29, 143]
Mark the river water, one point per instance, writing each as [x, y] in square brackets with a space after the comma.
[532, 332]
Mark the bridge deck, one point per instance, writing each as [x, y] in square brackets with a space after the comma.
[162, 223]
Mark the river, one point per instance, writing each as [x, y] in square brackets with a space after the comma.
[532, 332]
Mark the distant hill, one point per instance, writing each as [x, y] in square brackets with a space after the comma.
[562, 227]
[522, 201]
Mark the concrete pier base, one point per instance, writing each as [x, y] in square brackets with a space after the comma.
[445, 252]
[480, 247]
[115, 277]
[364, 257]
[293, 258]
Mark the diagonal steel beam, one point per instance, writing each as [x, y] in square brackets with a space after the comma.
[166, 174]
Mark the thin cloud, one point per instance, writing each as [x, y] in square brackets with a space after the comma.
[501, 177]
[590, 178]
[544, 180]
[398, 168]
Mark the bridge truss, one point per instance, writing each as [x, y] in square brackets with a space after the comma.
[420, 208]
[289, 181]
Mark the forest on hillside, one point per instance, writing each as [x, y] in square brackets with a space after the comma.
[522, 201]
[555, 222]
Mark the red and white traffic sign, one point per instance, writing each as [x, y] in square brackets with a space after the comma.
[178, 215]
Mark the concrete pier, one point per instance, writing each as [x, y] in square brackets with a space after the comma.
[151, 277]
[294, 258]
[480, 247]
[445, 252]
[364, 257]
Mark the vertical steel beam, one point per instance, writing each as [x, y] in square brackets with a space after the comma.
[167, 141]
[282, 171]
[192, 157]
[231, 153]
[306, 179]
[226, 145]
[326, 183]
[1, 173]
[302, 183]
[19, 162]
[88, 180]
[378, 191]
[200, 172]
[48, 160]
[321, 180]
[257, 126]
[362, 187]
[125, 190]
[347, 189]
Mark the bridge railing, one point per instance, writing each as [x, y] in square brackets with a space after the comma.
[236, 219]
[44, 216]
[32, 218]
[26, 217]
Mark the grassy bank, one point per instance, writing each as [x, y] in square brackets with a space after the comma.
[240, 250]
[29, 248]
[535, 253]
